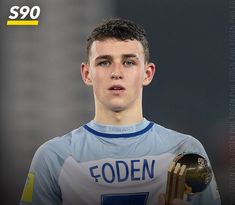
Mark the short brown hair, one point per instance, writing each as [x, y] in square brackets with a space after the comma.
[119, 29]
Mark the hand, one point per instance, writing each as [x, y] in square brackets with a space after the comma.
[162, 201]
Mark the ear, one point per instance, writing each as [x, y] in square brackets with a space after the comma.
[149, 73]
[86, 75]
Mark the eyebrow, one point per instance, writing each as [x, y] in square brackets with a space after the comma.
[124, 56]
[130, 56]
[103, 57]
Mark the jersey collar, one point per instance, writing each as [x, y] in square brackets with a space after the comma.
[110, 131]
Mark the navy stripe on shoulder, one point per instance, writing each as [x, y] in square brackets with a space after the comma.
[125, 135]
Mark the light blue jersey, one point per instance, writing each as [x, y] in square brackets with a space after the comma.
[109, 165]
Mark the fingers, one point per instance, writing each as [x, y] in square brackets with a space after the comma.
[175, 182]
[161, 199]
[179, 202]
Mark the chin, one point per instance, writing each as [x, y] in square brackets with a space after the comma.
[116, 105]
[117, 108]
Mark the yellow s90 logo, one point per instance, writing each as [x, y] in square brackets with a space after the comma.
[24, 16]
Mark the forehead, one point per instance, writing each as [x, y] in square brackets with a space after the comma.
[115, 48]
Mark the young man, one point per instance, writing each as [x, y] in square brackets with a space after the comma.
[118, 158]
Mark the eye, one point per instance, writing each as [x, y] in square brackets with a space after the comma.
[128, 63]
[104, 63]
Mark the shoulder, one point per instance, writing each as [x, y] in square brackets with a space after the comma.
[167, 133]
[50, 156]
[175, 139]
[58, 148]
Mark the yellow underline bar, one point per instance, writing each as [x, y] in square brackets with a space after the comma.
[22, 22]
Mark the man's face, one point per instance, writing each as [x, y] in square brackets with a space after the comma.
[117, 71]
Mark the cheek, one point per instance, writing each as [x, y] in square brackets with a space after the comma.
[98, 83]
[136, 83]
[96, 78]
[137, 79]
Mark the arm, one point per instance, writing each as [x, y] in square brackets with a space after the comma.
[210, 195]
[42, 185]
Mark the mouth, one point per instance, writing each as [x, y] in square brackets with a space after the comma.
[116, 87]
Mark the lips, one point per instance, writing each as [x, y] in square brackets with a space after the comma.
[116, 87]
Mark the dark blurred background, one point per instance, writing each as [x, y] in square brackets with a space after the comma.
[43, 96]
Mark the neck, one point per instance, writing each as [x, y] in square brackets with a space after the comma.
[125, 117]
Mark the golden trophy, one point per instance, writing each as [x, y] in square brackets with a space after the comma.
[188, 173]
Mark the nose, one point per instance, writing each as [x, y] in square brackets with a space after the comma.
[116, 72]
[116, 76]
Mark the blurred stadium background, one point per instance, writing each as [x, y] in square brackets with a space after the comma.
[43, 96]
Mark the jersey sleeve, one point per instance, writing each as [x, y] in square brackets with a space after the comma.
[42, 182]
